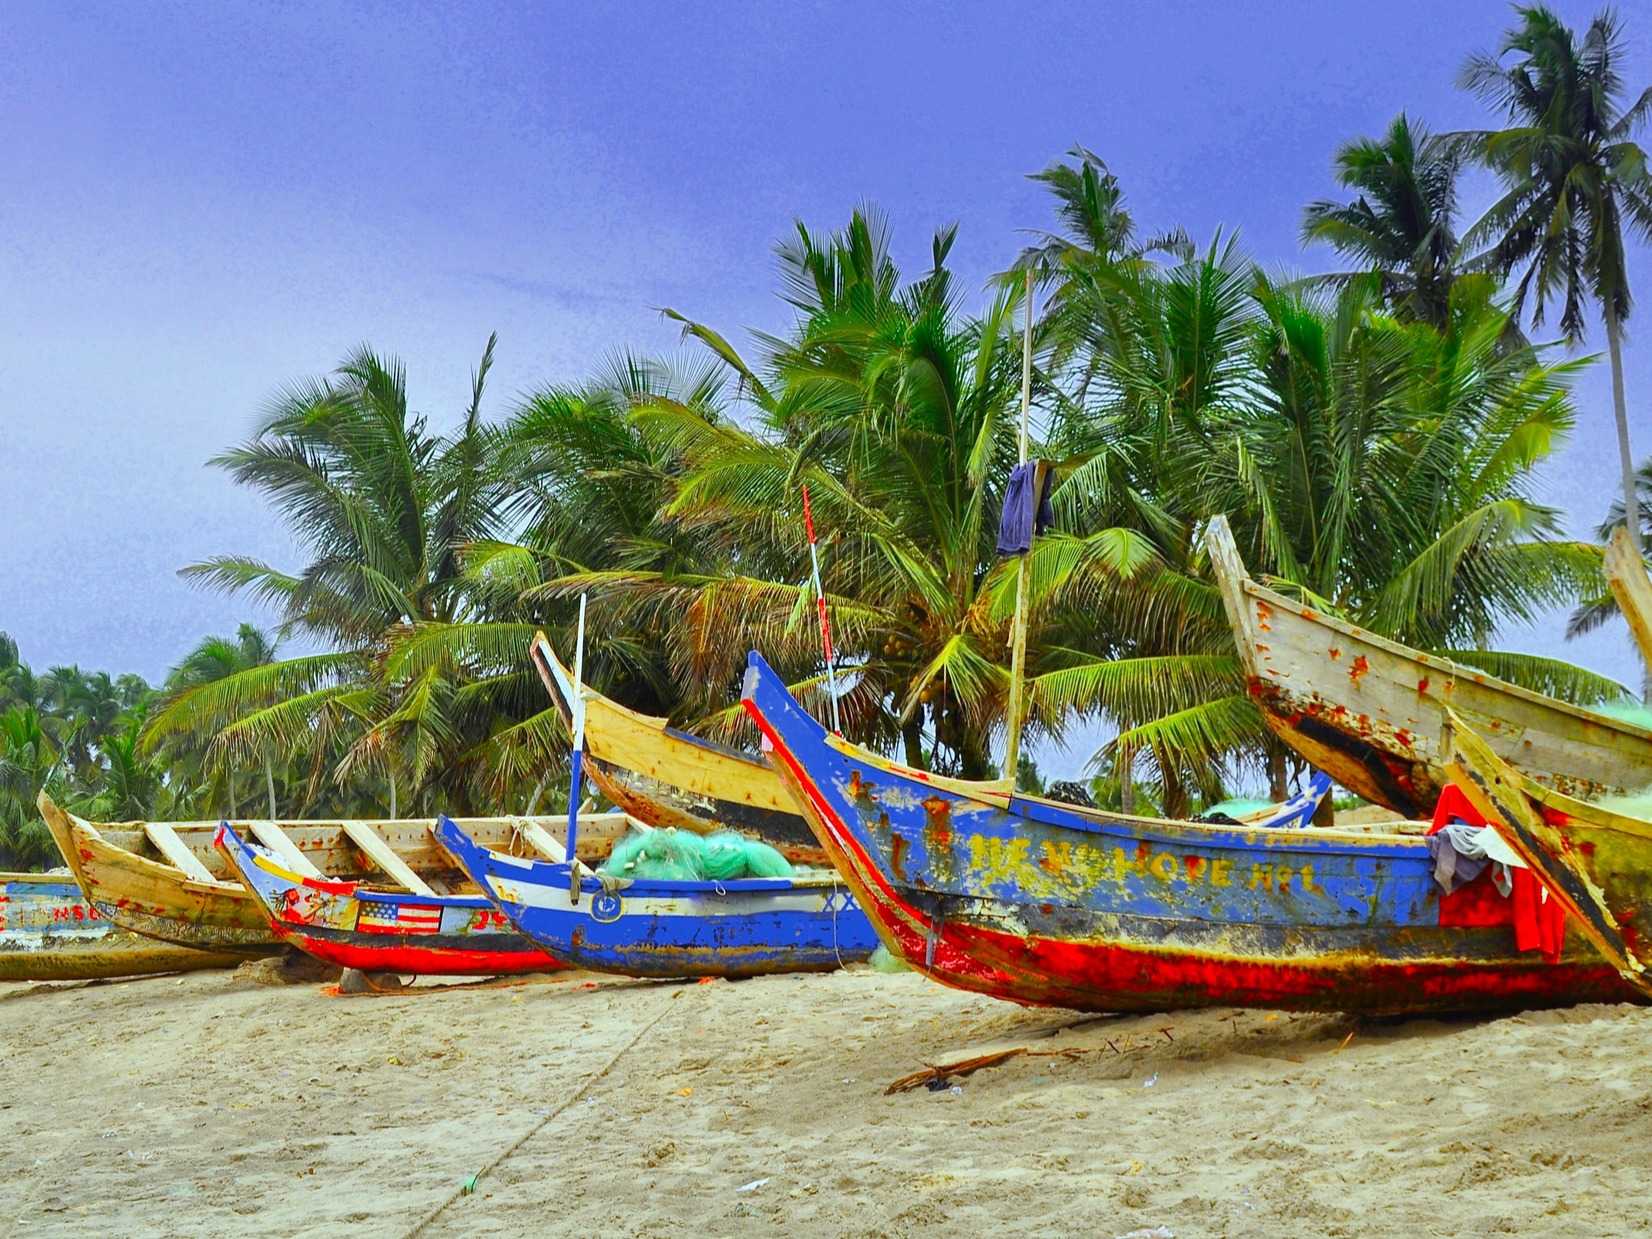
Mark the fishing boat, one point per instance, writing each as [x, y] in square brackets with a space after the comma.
[1372, 713]
[741, 927]
[152, 879]
[1595, 861]
[1626, 573]
[49, 931]
[167, 880]
[663, 776]
[414, 930]
[1039, 903]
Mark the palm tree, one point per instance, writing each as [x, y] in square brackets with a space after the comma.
[18, 686]
[193, 707]
[385, 508]
[1376, 467]
[28, 760]
[87, 707]
[891, 406]
[1402, 225]
[1573, 177]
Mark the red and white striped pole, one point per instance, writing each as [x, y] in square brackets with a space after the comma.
[820, 604]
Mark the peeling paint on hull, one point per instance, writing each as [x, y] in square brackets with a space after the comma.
[1142, 915]
[1372, 712]
[743, 928]
[50, 931]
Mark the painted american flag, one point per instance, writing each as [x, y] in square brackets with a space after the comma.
[398, 918]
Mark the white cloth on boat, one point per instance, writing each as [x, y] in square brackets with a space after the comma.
[1461, 853]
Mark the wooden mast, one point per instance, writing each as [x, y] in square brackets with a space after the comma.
[1018, 627]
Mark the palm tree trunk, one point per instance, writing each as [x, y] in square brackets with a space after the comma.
[1277, 787]
[269, 783]
[1126, 764]
[1175, 796]
[1626, 457]
[538, 791]
[393, 813]
[912, 737]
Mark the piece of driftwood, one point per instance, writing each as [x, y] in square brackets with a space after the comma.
[960, 1067]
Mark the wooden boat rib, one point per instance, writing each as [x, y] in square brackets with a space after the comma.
[1596, 862]
[1372, 713]
[1626, 574]
[130, 880]
[49, 931]
[413, 931]
[645, 928]
[1036, 904]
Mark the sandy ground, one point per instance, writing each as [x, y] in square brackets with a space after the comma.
[205, 1104]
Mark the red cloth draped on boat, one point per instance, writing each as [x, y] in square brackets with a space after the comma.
[1539, 924]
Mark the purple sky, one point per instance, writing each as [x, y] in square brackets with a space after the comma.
[204, 201]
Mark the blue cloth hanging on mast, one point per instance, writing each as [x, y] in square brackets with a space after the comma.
[1026, 507]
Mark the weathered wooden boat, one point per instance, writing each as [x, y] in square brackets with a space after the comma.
[1371, 712]
[1037, 903]
[1626, 573]
[666, 777]
[1596, 862]
[153, 880]
[49, 931]
[644, 928]
[166, 880]
[411, 931]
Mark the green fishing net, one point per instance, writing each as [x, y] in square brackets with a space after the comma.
[672, 855]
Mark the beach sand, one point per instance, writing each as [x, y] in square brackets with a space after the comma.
[206, 1104]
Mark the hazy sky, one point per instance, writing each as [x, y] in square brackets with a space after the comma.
[201, 202]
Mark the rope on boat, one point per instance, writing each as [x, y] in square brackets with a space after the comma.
[533, 1131]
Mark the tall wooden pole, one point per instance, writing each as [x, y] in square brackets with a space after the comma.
[576, 708]
[1018, 627]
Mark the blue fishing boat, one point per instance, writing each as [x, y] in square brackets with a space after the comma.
[643, 927]
[1039, 903]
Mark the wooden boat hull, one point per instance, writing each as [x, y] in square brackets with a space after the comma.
[748, 927]
[665, 777]
[157, 900]
[1372, 713]
[214, 911]
[49, 931]
[378, 931]
[1597, 863]
[1626, 574]
[1038, 905]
